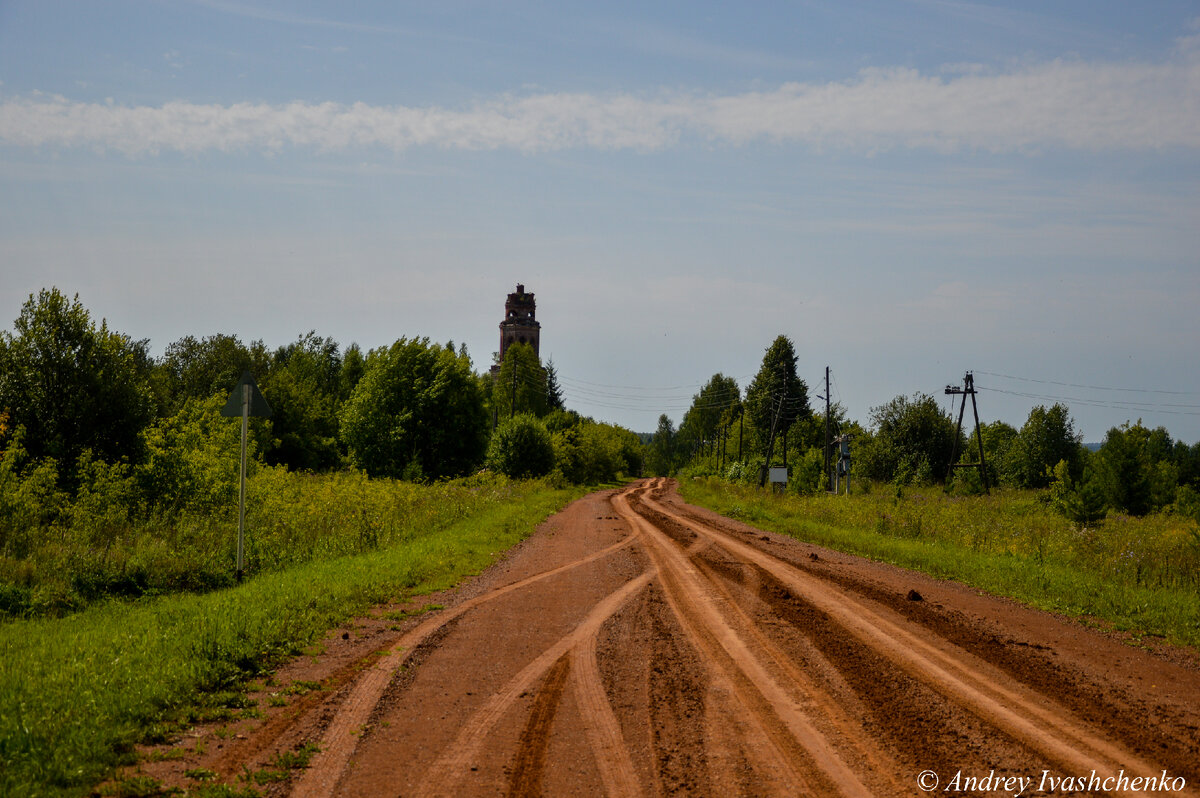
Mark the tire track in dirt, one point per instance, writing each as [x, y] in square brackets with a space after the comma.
[530, 759]
[443, 776]
[604, 732]
[617, 771]
[1006, 706]
[823, 707]
[341, 735]
[1035, 665]
[797, 741]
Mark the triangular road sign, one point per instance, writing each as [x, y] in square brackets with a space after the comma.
[258, 403]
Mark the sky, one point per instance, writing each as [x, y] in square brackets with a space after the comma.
[907, 190]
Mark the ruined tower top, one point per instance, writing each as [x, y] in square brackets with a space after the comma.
[520, 325]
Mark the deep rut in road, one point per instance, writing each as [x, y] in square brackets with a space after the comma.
[639, 646]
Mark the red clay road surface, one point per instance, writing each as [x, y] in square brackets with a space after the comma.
[636, 645]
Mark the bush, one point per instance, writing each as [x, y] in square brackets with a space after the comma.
[29, 498]
[1081, 501]
[521, 448]
[911, 443]
[1187, 502]
[588, 453]
[808, 475]
[192, 458]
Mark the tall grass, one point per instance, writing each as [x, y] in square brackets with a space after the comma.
[96, 548]
[77, 692]
[1140, 574]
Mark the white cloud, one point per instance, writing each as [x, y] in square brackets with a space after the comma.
[1078, 105]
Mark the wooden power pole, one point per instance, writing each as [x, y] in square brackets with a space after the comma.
[828, 473]
[968, 389]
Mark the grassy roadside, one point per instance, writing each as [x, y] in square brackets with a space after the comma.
[1140, 575]
[78, 692]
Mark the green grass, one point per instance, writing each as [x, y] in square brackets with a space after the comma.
[1139, 574]
[77, 693]
[96, 548]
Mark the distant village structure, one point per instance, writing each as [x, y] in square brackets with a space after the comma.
[520, 325]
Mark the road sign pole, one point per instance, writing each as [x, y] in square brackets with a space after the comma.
[244, 400]
[242, 489]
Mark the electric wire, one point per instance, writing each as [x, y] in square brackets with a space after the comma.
[1092, 387]
[1137, 407]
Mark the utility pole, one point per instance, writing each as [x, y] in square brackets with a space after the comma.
[968, 389]
[742, 415]
[512, 407]
[774, 425]
[828, 473]
[721, 451]
[771, 440]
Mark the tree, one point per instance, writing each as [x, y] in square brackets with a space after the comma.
[417, 412]
[521, 384]
[521, 448]
[191, 457]
[200, 368]
[589, 452]
[660, 460]
[559, 420]
[73, 386]
[353, 365]
[1137, 468]
[1187, 460]
[303, 388]
[554, 397]
[1080, 500]
[911, 441]
[1047, 438]
[711, 408]
[999, 449]
[1123, 470]
[776, 397]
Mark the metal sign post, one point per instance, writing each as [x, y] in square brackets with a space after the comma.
[245, 401]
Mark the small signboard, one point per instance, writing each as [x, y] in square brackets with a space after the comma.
[778, 475]
[237, 404]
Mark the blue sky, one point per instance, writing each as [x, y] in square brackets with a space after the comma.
[907, 189]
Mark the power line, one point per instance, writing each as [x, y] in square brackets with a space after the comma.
[688, 386]
[1095, 387]
[1139, 407]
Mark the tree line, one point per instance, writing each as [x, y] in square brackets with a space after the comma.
[910, 440]
[79, 400]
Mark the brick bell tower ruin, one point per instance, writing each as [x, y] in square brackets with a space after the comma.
[520, 325]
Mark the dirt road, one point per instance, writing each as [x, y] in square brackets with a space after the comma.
[640, 646]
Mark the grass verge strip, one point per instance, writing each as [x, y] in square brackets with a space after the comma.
[78, 693]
